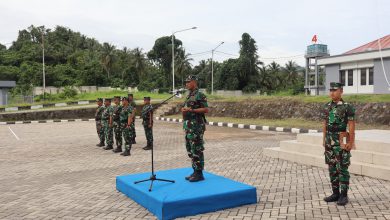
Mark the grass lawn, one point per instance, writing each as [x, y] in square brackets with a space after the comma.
[95, 95]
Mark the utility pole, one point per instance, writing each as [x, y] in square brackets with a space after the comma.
[43, 64]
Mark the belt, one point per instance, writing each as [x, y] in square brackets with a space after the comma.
[333, 129]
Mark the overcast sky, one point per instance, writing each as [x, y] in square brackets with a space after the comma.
[280, 28]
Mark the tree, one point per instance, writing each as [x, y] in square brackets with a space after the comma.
[248, 61]
[107, 58]
[183, 66]
[291, 70]
[161, 54]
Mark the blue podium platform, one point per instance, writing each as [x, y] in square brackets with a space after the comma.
[182, 198]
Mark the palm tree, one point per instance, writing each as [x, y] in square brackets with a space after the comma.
[107, 57]
[291, 70]
[139, 62]
[183, 65]
[276, 73]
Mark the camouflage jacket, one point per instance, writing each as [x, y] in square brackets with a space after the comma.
[125, 114]
[98, 113]
[147, 114]
[195, 100]
[116, 112]
[337, 115]
[107, 112]
[132, 104]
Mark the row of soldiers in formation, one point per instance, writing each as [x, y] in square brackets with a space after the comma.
[118, 121]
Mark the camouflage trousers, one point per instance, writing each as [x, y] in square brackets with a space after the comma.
[117, 133]
[128, 136]
[108, 133]
[133, 130]
[338, 161]
[194, 143]
[100, 131]
[148, 134]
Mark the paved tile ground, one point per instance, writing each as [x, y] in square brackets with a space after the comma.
[54, 171]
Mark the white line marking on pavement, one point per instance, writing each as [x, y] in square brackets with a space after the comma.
[17, 138]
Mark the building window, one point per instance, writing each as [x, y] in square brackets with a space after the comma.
[342, 77]
[363, 77]
[350, 77]
[370, 76]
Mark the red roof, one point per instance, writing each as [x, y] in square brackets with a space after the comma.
[374, 45]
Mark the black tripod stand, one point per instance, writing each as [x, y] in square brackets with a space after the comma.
[153, 176]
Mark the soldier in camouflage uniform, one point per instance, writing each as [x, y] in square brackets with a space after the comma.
[116, 124]
[147, 122]
[107, 123]
[98, 120]
[338, 116]
[126, 119]
[132, 103]
[194, 110]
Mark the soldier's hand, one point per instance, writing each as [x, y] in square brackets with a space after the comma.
[149, 126]
[185, 109]
[349, 146]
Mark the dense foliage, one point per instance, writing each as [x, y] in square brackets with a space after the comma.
[73, 59]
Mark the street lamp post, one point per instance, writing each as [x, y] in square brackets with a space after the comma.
[43, 66]
[173, 54]
[212, 67]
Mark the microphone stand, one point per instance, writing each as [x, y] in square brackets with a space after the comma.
[153, 177]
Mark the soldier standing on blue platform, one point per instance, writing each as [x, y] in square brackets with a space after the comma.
[132, 104]
[338, 128]
[147, 122]
[98, 120]
[116, 124]
[194, 110]
[107, 123]
[126, 119]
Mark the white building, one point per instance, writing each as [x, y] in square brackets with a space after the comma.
[363, 70]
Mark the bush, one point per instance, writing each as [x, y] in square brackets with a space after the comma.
[251, 88]
[69, 92]
[40, 98]
[163, 90]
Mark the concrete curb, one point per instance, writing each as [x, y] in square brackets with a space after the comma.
[49, 121]
[247, 126]
[33, 107]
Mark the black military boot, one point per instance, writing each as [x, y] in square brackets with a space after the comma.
[188, 177]
[334, 197]
[117, 150]
[109, 147]
[343, 200]
[100, 144]
[126, 153]
[149, 146]
[198, 176]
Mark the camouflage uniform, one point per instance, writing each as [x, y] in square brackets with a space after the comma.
[147, 115]
[132, 104]
[337, 116]
[127, 131]
[106, 124]
[117, 126]
[194, 126]
[99, 126]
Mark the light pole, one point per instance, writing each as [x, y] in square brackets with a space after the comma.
[43, 65]
[212, 67]
[173, 54]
